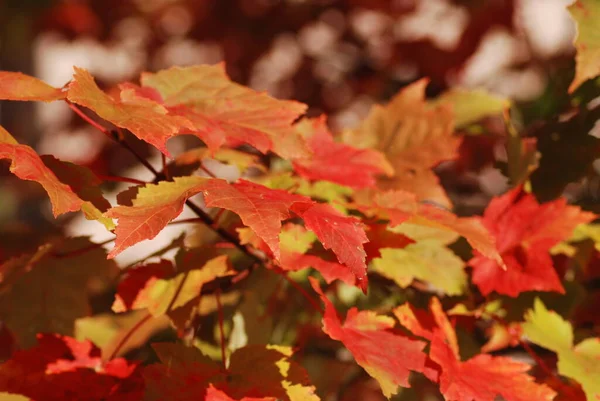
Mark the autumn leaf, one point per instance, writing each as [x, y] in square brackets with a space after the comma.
[525, 231]
[469, 106]
[27, 165]
[381, 237]
[223, 112]
[145, 118]
[414, 136]
[60, 366]
[338, 162]
[402, 207]
[481, 378]
[260, 208]
[18, 86]
[428, 261]
[26, 284]
[587, 43]
[364, 333]
[295, 241]
[153, 208]
[579, 362]
[163, 295]
[484, 377]
[135, 281]
[342, 234]
[212, 394]
[254, 371]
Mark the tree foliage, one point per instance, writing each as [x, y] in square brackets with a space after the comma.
[318, 222]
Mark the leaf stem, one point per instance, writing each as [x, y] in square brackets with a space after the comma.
[87, 119]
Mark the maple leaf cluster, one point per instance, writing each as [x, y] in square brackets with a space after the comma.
[312, 217]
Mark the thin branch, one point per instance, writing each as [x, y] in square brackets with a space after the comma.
[165, 167]
[87, 119]
[226, 235]
[81, 251]
[206, 170]
[306, 295]
[117, 136]
[114, 178]
[127, 336]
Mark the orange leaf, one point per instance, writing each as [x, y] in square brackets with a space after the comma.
[223, 112]
[17, 86]
[401, 206]
[145, 118]
[414, 136]
[27, 165]
[260, 208]
[386, 356]
[153, 208]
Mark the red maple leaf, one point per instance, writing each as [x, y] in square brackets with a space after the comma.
[484, 377]
[525, 231]
[61, 367]
[342, 234]
[338, 162]
[481, 378]
[386, 356]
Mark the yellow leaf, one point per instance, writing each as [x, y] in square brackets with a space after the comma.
[429, 261]
[580, 362]
[470, 106]
[586, 14]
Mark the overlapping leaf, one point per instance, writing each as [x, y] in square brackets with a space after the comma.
[260, 208]
[399, 207]
[586, 14]
[18, 86]
[580, 362]
[254, 371]
[29, 284]
[145, 118]
[338, 162]
[153, 208]
[525, 231]
[386, 356]
[414, 136]
[60, 367]
[342, 234]
[223, 112]
[481, 378]
[160, 296]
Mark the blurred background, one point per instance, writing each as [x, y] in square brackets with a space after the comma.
[338, 56]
